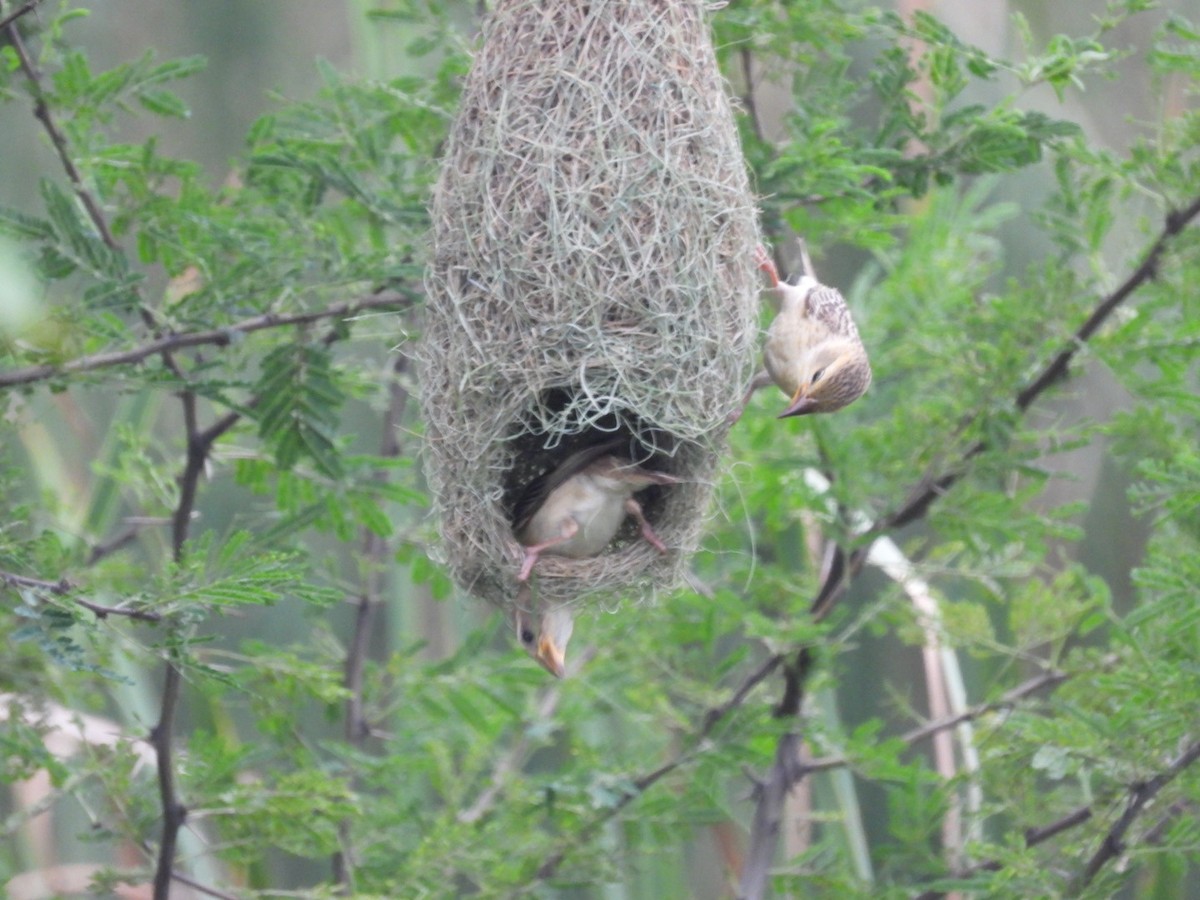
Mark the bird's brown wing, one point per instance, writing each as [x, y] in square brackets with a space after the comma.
[539, 489]
[827, 306]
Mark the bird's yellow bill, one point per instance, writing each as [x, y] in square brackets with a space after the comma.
[552, 658]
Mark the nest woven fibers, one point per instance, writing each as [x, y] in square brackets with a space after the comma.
[591, 275]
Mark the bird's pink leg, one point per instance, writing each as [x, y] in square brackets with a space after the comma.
[763, 260]
[635, 509]
[533, 551]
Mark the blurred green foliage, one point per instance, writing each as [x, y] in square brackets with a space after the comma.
[981, 230]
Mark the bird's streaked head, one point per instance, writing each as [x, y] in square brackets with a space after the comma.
[546, 638]
[833, 376]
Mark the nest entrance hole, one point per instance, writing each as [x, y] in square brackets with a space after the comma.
[537, 450]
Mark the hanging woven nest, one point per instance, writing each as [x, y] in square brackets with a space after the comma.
[592, 274]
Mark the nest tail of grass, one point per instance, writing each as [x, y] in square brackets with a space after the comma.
[592, 274]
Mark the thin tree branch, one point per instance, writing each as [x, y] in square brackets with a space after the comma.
[1154, 835]
[160, 736]
[41, 111]
[1047, 679]
[1033, 837]
[515, 756]
[174, 813]
[785, 772]
[216, 336]
[64, 588]
[933, 485]
[644, 782]
[18, 12]
[374, 557]
[1113, 843]
[1141, 793]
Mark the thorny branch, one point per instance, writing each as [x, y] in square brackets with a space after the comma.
[933, 485]
[41, 111]
[18, 12]
[64, 588]
[160, 736]
[1047, 679]
[1138, 796]
[220, 337]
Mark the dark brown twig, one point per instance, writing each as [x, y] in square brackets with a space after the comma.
[1139, 794]
[41, 111]
[933, 485]
[64, 588]
[160, 736]
[375, 551]
[216, 336]
[1033, 837]
[1050, 678]
[1113, 843]
[18, 12]
[644, 782]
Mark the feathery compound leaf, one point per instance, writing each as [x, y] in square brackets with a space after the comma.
[298, 412]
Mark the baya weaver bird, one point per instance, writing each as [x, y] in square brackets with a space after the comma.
[575, 511]
[813, 351]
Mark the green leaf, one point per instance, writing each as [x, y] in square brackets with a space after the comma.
[299, 406]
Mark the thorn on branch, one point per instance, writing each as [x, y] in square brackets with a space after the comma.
[17, 13]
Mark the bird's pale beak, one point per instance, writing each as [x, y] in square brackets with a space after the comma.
[551, 656]
[801, 404]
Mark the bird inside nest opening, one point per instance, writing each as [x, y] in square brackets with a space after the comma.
[576, 500]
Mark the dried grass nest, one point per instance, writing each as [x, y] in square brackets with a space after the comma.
[591, 274]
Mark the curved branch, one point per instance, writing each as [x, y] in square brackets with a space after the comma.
[1140, 794]
[934, 484]
[1113, 843]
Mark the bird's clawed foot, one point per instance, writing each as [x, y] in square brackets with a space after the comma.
[763, 260]
[531, 558]
[761, 380]
[635, 509]
[534, 551]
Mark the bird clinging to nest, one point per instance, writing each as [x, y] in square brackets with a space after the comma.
[575, 510]
[813, 351]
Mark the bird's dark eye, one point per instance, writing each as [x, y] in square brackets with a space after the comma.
[526, 636]
[817, 375]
